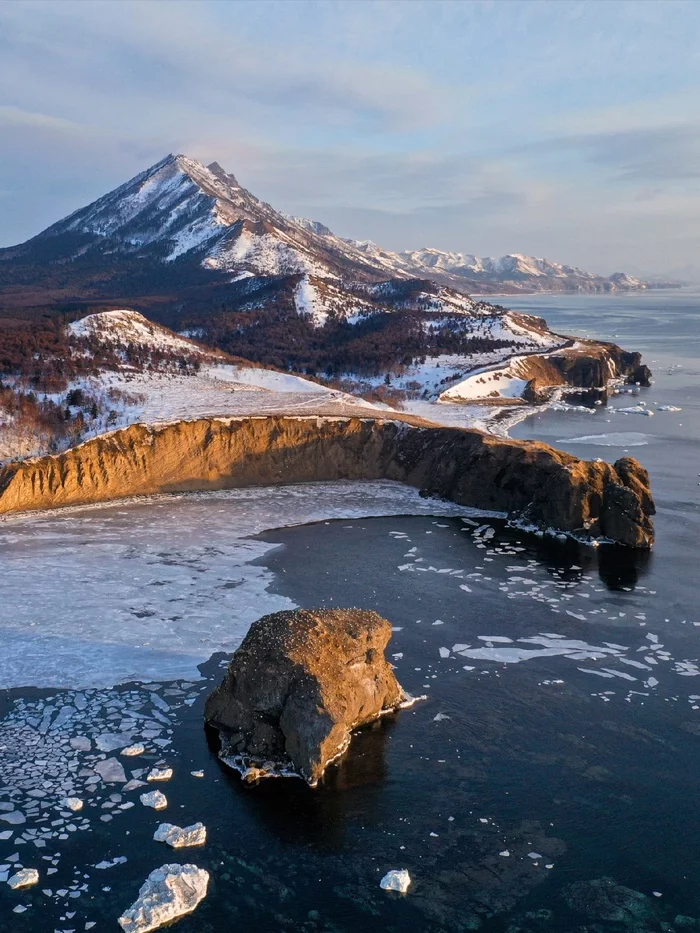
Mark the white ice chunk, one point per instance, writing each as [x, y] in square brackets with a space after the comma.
[396, 880]
[160, 774]
[118, 860]
[168, 893]
[72, 803]
[179, 837]
[155, 799]
[24, 878]
[111, 771]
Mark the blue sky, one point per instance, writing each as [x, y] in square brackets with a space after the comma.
[565, 129]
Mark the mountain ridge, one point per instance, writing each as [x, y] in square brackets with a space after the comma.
[181, 209]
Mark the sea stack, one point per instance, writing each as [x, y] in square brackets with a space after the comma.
[296, 688]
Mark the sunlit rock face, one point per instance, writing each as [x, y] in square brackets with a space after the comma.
[523, 479]
[297, 687]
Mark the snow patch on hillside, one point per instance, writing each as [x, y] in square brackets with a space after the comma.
[124, 326]
[263, 253]
[495, 383]
[309, 303]
[195, 235]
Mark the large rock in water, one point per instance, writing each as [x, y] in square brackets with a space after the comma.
[297, 687]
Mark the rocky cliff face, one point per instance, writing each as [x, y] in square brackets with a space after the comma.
[526, 479]
[585, 365]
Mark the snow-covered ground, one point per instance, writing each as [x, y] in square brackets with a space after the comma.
[265, 254]
[220, 391]
[495, 383]
[218, 388]
[130, 396]
[123, 326]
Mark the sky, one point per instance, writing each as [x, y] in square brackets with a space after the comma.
[569, 130]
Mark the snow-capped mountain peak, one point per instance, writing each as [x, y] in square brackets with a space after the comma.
[200, 216]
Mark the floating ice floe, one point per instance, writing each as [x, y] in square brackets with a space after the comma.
[396, 880]
[14, 817]
[111, 771]
[572, 648]
[168, 893]
[118, 860]
[131, 751]
[179, 837]
[613, 439]
[24, 878]
[72, 650]
[635, 410]
[155, 800]
[111, 741]
[160, 774]
[197, 774]
[72, 803]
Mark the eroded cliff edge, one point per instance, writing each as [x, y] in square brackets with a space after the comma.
[526, 479]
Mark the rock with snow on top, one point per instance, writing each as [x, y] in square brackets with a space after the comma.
[169, 892]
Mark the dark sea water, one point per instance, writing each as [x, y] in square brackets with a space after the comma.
[548, 782]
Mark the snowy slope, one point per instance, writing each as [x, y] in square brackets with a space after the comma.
[125, 326]
[319, 299]
[159, 389]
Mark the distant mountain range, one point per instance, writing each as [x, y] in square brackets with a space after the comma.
[182, 226]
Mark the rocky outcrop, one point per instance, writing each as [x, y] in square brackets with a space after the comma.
[640, 375]
[587, 364]
[297, 687]
[524, 479]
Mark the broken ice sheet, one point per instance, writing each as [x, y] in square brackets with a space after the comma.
[111, 771]
[69, 648]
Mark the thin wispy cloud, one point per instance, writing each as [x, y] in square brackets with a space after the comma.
[565, 129]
